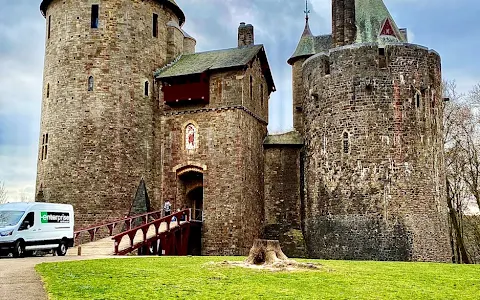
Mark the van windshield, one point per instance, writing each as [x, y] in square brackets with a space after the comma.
[10, 217]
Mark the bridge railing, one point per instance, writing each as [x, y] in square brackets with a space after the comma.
[180, 218]
[197, 215]
[127, 222]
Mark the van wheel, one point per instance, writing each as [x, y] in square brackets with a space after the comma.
[62, 249]
[19, 250]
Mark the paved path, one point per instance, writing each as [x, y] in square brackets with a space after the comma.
[19, 280]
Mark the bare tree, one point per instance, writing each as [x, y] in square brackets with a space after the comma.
[3, 193]
[457, 118]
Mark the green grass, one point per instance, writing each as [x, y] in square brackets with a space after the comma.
[199, 278]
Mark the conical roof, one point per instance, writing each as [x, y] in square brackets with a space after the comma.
[375, 24]
[306, 45]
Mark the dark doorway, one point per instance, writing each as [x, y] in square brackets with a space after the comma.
[190, 195]
[195, 202]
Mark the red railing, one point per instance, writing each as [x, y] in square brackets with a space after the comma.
[127, 222]
[168, 238]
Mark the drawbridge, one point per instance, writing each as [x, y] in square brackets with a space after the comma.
[145, 234]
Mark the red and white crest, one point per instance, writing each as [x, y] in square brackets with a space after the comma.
[387, 29]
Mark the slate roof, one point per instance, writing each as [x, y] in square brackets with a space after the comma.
[292, 138]
[370, 16]
[198, 63]
[310, 45]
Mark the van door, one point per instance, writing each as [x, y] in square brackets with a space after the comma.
[27, 229]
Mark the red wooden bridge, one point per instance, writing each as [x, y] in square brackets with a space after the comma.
[148, 234]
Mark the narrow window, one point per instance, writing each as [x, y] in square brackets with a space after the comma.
[48, 90]
[251, 88]
[417, 99]
[346, 143]
[90, 83]
[327, 68]
[49, 25]
[94, 23]
[44, 146]
[146, 88]
[382, 58]
[261, 94]
[155, 25]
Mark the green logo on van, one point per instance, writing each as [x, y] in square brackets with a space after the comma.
[54, 217]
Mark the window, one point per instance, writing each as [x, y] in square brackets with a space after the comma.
[90, 83]
[146, 88]
[251, 88]
[48, 90]
[155, 25]
[94, 23]
[382, 59]
[417, 99]
[346, 143]
[190, 137]
[261, 94]
[49, 26]
[28, 222]
[44, 146]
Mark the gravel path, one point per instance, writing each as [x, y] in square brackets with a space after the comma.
[18, 279]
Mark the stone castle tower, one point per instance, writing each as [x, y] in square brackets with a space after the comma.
[133, 116]
[370, 107]
[127, 100]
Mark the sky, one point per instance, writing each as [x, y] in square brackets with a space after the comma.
[448, 26]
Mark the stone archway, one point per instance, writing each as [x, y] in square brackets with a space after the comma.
[190, 188]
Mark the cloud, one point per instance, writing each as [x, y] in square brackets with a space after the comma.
[213, 23]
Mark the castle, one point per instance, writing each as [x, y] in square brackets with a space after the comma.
[132, 116]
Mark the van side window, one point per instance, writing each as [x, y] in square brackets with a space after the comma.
[27, 222]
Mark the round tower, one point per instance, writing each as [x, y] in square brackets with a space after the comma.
[97, 123]
[374, 164]
[305, 49]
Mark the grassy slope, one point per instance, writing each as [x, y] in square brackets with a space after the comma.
[198, 278]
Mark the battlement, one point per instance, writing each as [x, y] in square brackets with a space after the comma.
[369, 57]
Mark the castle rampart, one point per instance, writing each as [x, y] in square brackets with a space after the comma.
[97, 106]
[373, 174]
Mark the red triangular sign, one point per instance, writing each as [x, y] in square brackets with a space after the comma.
[387, 28]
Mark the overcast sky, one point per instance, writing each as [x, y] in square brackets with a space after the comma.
[448, 26]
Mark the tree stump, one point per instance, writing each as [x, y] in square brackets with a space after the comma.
[266, 252]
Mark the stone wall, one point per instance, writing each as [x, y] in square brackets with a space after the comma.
[298, 95]
[374, 172]
[100, 141]
[231, 129]
[283, 204]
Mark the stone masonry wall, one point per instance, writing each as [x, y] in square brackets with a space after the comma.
[100, 141]
[374, 173]
[282, 198]
[231, 129]
[298, 95]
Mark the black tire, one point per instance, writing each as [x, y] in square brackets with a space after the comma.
[19, 249]
[62, 249]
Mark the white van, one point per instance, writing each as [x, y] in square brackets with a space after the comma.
[27, 227]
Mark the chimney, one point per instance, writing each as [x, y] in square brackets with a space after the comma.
[343, 22]
[245, 35]
[404, 31]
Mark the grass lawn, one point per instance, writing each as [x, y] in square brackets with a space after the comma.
[199, 278]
